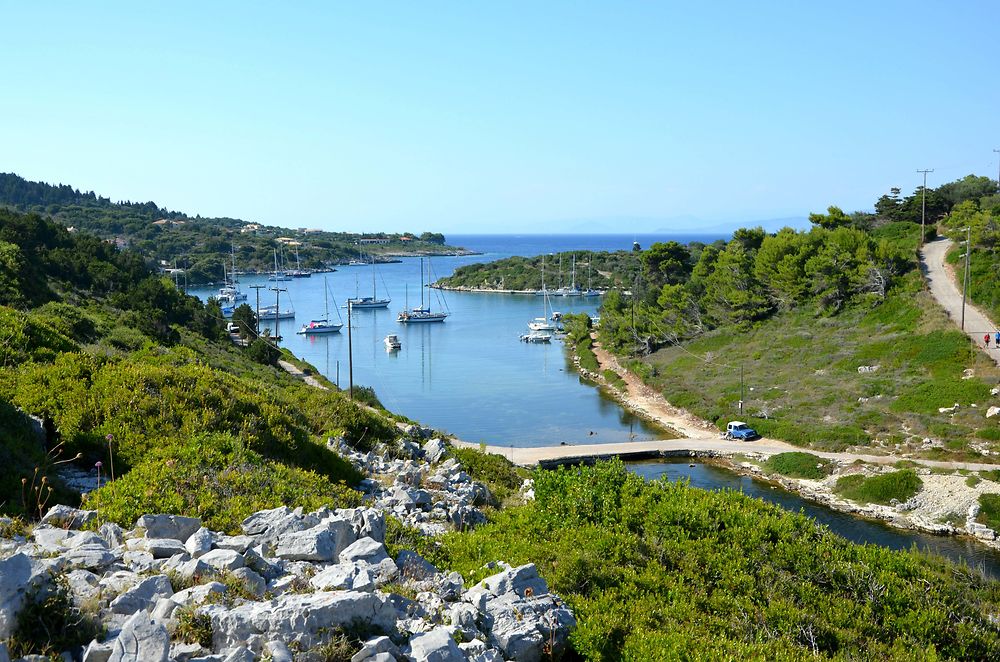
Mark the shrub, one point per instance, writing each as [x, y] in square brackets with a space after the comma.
[989, 510]
[880, 488]
[49, 623]
[263, 351]
[799, 465]
[497, 472]
[192, 626]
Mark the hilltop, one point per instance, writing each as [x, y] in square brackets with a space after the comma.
[201, 246]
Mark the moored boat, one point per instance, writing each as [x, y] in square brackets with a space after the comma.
[392, 343]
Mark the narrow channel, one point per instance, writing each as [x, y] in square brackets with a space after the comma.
[855, 529]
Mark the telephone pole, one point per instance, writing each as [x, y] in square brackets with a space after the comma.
[923, 204]
[997, 151]
[277, 311]
[350, 355]
[256, 317]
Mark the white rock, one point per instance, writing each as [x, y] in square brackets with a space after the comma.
[97, 652]
[141, 640]
[197, 594]
[143, 595]
[222, 559]
[168, 526]
[251, 581]
[435, 646]
[365, 549]
[434, 450]
[992, 411]
[323, 542]
[412, 566]
[373, 647]
[199, 542]
[523, 581]
[65, 517]
[238, 544]
[162, 548]
[279, 651]
[241, 654]
[19, 574]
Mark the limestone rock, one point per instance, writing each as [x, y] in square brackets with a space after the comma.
[141, 640]
[435, 646]
[163, 548]
[251, 581]
[19, 574]
[222, 559]
[412, 566]
[198, 594]
[65, 517]
[374, 647]
[143, 595]
[323, 542]
[434, 450]
[365, 549]
[168, 526]
[198, 543]
[97, 652]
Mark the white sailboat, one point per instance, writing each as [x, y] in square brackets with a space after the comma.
[542, 324]
[274, 312]
[316, 327]
[372, 302]
[423, 314]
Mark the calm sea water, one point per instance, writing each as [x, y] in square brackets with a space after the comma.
[470, 376]
[855, 529]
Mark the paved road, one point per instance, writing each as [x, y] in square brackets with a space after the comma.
[947, 293]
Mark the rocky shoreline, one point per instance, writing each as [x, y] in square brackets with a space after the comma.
[291, 586]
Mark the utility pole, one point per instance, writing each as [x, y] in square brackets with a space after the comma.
[923, 204]
[965, 284]
[997, 151]
[256, 317]
[350, 354]
[741, 390]
[277, 311]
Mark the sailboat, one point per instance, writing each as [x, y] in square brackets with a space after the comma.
[542, 324]
[274, 312]
[372, 302]
[298, 271]
[278, 276]
[590, 291]
[324, 325]
[423, 313]
[572, 290]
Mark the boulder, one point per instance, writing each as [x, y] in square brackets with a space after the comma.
[139, 561]
[89, 556]
[97, 652]
[19, 575]
[198, 543]
[241, 654]
[174, 527]
[143, 595]
[253, 583]
[434, 450]
[279, 651]
[323, 542]
[66, 517]
[375, 646]
[112, 534]
[238, 544]
[302, 618]
[163, 548]
[223, 559]
[435, 646]
[523, 581]
[197, 594]
[412, 566]
[141, 640]
[365, 549]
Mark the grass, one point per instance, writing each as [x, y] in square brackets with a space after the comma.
[799, 465]
[881, 488]
[615, 380]
[989, 510]
[801, 384]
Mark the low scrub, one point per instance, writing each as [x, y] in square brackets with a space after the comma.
[659, 570]
[989, 510]
[799, 465]
[880, 488]
[495, 471]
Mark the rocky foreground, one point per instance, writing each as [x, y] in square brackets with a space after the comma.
[293, 586]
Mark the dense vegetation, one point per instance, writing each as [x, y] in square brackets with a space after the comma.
[664, 571]
[880, 488]
[799, 465]
[199, 245]
[796, 314]
[977, 208]
[125, 370]
[597, 269]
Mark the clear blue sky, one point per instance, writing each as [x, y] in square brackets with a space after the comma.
[499, 116]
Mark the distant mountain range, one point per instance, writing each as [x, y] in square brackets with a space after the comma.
[674, 225]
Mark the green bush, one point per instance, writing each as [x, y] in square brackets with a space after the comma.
[658, 570]
[495, 471]
[880, 488]
[799, 465]
[989, 510]
[263, 351]
[49, 623]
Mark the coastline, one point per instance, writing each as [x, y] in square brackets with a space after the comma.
[945, 505]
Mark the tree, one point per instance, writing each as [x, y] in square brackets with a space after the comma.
[666, 264]
[680, 315]
[834, 218]
[432, 237]
[732, 293]
[969, 187]
[751, 238]
[780, 266]
[246, 321]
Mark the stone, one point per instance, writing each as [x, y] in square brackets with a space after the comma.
[365, 549]
[197, 594]
[523, 581]
[19, 575]
[373, 647]
[82, 585]
[143, 595]
[163, 609]
[112, 534]
[434, 450]
[66, 517]
[92, 557]
[463, 616]
[337, 577]
[139, 561]
[412, 566]
[163, 548]
[174, 527]
[183, 651]
[435, 646]
[97, 652]
[323, 542]
[198, 543]
[191, 570]
[279, 651]
[992, 411]
[141, 640]
[222, 559]
[304, 618]
[51, 539]
[238, 544]
[241, 654]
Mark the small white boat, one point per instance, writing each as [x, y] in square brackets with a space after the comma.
[324, 325]
[541, 324]
[423, 314]
[536, 337]
[392, 343]
[270, 313]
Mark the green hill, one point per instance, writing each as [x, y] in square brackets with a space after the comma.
[199, 245]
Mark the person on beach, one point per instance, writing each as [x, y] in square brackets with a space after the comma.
[996, 341]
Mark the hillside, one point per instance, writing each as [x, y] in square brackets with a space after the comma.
[199, 245]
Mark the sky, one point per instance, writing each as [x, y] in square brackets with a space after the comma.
[476, 117]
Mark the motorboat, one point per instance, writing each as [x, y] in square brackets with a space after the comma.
[536, 337]
[392, 343]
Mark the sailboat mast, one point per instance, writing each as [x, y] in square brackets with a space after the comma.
[373, 277]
